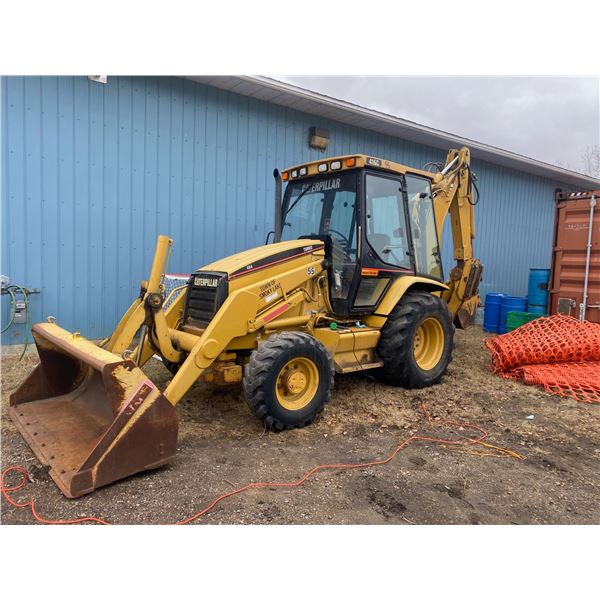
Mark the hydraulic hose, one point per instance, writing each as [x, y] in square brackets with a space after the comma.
[13, 307]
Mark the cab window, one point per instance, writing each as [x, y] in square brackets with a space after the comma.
[326, 205]
[422, 222]
[385, 220]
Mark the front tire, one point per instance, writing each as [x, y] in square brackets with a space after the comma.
[288, 380]
[416, 341]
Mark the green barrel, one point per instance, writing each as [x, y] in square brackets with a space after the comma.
[516, 318]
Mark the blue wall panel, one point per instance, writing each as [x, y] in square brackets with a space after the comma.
[92, 173]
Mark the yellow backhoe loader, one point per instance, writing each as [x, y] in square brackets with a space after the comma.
[352, 282]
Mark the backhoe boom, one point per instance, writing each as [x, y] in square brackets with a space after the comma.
[453, 194]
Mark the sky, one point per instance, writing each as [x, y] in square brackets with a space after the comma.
[552, 119]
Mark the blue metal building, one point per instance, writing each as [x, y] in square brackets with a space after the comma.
[92, 172]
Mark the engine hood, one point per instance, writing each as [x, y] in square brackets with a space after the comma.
[261, 257]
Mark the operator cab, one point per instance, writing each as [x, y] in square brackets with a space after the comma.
[377, 223]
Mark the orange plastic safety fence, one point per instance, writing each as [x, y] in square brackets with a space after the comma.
[558, 353]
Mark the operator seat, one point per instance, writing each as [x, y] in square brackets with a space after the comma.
[378, 242]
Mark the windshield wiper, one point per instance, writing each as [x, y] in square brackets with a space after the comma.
[295, 202]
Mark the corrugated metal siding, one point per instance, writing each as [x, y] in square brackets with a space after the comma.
[92, 173]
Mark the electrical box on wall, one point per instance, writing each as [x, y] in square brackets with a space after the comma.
[17, 312]
[20, 312]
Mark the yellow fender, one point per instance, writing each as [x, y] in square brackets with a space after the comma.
[396, 291]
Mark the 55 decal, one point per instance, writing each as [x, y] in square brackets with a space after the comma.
[310, 271]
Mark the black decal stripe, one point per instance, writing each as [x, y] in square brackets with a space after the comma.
[401, 270]
[276, 258]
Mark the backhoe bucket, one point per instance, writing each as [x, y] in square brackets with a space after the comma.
[89, 415]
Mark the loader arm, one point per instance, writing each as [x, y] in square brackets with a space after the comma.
[453, 194]
[146, 310]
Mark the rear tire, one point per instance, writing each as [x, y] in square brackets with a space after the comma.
[416, 341]
[288, 380]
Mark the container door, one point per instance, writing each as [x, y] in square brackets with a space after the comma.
[569, 259]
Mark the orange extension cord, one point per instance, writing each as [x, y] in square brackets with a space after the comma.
[268, 484]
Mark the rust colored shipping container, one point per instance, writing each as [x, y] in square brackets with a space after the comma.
[575, 277]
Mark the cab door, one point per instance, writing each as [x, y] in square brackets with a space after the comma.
[339, 220]
[386, 239]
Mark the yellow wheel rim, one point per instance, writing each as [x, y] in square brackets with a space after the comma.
[428, 344]
[297, 383]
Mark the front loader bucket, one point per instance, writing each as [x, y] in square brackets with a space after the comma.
[89, 415]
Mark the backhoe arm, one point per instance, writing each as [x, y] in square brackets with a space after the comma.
[453, 193]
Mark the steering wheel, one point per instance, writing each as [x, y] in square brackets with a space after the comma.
[344, 239]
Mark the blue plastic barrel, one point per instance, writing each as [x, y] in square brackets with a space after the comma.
[507, 304]
[538, 310]
[491, 312]
[537, 292]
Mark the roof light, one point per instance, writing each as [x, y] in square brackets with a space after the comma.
[322, 167]
[285, 176]
[294, 174]
[303, 171]
[335, 165]
[350, 162]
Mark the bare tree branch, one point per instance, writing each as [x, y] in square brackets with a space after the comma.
[591, 161]
[563, 164]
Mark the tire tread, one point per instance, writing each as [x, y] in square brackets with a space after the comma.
[262, 362]
[395, 343]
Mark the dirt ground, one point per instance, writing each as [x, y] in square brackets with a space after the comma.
[222, 446]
